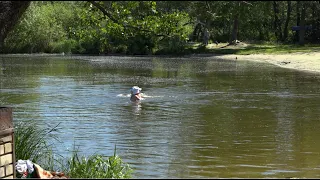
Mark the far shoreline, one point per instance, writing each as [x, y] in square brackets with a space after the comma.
[309, 62]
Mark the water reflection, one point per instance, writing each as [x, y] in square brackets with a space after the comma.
[136, 107]
[200, 119]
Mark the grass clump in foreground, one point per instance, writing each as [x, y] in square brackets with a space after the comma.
[31, 142]
[96, 166]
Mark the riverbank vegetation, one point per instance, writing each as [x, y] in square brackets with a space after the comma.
[36, 144]
[254, 48]
[166, 27]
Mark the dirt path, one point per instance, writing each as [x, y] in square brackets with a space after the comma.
[299, 61]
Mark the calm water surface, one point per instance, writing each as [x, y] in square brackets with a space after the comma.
[202, 118]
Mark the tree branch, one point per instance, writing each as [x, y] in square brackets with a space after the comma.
[207, 5]
[107, 14]
[247, 2]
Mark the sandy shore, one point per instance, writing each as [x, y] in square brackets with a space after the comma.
[300, 61]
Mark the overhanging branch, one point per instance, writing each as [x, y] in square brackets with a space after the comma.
[107, 14]
[247, 2]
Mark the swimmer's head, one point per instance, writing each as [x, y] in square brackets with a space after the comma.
[135, 90]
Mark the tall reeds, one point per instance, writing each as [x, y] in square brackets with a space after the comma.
[97, 166]
[32, 142]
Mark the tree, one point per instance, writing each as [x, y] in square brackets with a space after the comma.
[277, 22]
[143, 26]
[42, 28]
[237, 10]
[285, 31]
[10, 13]
[302, 23]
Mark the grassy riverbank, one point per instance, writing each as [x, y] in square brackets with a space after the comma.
[253, 48]
[242, 48]
[36, 144]
[302, 58]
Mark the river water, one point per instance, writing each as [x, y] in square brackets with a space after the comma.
[200, 118]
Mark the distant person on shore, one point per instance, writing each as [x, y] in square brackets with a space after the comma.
[135, 94]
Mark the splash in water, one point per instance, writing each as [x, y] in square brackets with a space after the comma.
[142, 94]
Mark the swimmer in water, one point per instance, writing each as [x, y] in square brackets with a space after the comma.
[135, 94]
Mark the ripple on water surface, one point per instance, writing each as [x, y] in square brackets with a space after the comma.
[200, 118]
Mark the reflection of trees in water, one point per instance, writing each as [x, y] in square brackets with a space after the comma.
[136, 108]
[295, 113]
[292, 120]
[13, 75]
[160, 135]
[231, 114]
[181, 130]
[284, 133]
[171, 68]
[2, 66]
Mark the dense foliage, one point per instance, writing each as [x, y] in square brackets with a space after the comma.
[158, 27]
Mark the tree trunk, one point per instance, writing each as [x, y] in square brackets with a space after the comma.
[302, 24]
[198, 33]
[234, 35]
[195, 33]
[205, 36]
[276, 23]
[315, 33]
[285, 31]
[298, 20]
[261, 36]
[10, 13]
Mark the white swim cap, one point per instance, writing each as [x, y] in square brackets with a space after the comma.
[135, 90]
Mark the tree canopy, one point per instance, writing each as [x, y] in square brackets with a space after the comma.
[157, 27]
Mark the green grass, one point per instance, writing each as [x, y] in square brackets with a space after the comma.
[256, 48]
[278, 49]
[35, 144]
[96, 166]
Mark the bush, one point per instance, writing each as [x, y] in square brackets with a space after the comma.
[66, 46]
[173, 45]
